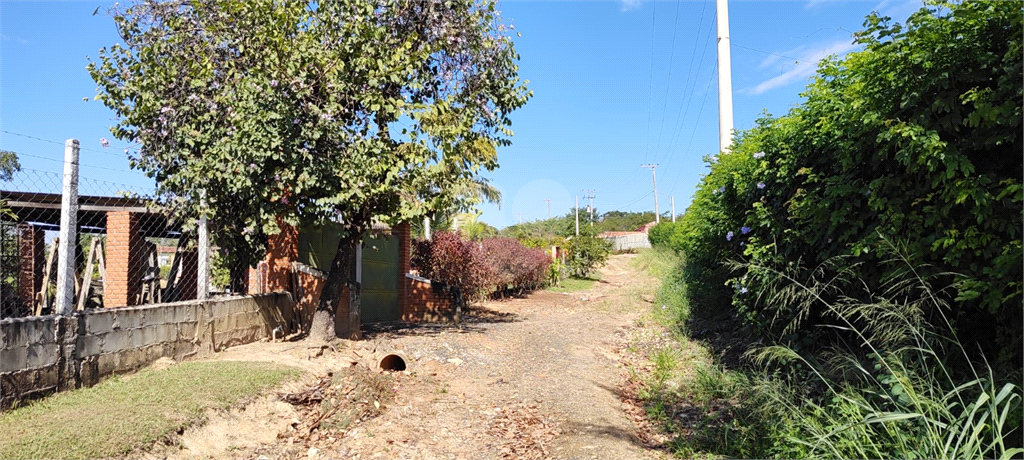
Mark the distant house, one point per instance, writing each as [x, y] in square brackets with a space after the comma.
[628, 241]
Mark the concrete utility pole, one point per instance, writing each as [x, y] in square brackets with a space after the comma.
[724, 78]
[65, 297]
[590, 207]
[549, 207]
[673, 208]
[657, 216]
[577, 215]
[520, 218]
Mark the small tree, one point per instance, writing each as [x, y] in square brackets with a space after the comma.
[251, 112]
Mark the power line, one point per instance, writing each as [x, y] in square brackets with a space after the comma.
[82, 164]
[692, 86]
[694, 132]
[650, 86]
[765, 52]
[668, 81]
[57, 143]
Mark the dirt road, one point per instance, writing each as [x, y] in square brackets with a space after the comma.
[526, 378]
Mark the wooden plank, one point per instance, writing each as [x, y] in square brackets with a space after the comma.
[83, 293]
[41, 295]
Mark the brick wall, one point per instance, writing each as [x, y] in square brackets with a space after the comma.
[125, 261]
[419, 299]
[308, 284]
[31, 257]
[274, 272]
[423, 301]
[42, 354]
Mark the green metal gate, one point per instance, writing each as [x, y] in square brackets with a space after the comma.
[380, 279]
[379, 299]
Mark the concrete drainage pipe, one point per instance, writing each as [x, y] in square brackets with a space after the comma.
[391, 362]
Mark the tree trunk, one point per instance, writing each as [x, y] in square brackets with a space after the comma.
[341, 274]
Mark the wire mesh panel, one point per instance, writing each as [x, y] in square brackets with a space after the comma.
[127, 252]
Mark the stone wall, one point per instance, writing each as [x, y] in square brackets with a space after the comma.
[42, 354]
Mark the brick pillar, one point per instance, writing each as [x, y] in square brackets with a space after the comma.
[31, 260]
[125, 261]
[282, 250]
[403, 233]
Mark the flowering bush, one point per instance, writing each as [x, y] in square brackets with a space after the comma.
[893, 143]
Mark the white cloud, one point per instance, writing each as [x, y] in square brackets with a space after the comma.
[8, 38]
[898, 10]
[628, 5]
[811, 4]
[805, 65]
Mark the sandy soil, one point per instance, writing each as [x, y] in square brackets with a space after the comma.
[537, 377]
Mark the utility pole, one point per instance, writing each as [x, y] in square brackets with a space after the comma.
[520, 218]
[657, 216]
[673, 208]
[577, 215]
[549, 207]
[590, 208]
[724, 78]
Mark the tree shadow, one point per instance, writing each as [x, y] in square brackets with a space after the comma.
[475, 319]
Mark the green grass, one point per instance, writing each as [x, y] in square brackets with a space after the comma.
[123, 413]
[573, 285]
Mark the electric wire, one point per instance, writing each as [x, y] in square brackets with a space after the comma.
[668, 81]
[650, 85]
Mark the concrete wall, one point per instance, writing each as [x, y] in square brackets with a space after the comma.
[628, 241]
[42, 354]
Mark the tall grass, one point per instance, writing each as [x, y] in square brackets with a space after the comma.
[892, 392]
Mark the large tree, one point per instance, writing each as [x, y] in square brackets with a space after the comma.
[255, 112]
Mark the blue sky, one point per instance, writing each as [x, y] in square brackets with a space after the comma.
[616, 84]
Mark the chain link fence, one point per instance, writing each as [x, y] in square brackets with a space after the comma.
[126, 250]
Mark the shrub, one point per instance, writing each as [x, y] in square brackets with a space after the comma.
[895, 140]
[474, 270]
[661, 235]
[515, 268]
[585, 253]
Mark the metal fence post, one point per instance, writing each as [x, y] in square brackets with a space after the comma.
[68, 230]
[203, 277]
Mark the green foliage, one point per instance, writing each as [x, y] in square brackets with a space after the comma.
[253, 111]
[622, 221]
[8, 165]
[121, 414]
[586, 252]
[900, 400]
[917, 137]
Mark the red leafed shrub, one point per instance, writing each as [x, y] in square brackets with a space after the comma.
[449, 260]
[475, 270]
[517, 268]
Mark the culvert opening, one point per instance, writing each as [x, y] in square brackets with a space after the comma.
[392, 363]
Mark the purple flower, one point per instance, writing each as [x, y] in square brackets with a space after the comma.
[295, 121]
[284, 200]
[273, 83]
[745, 230]
[728, 236]
[743, 290]
[722, 189]
[761, 186]
[759, 155]
[742, 244]
[104, 142]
